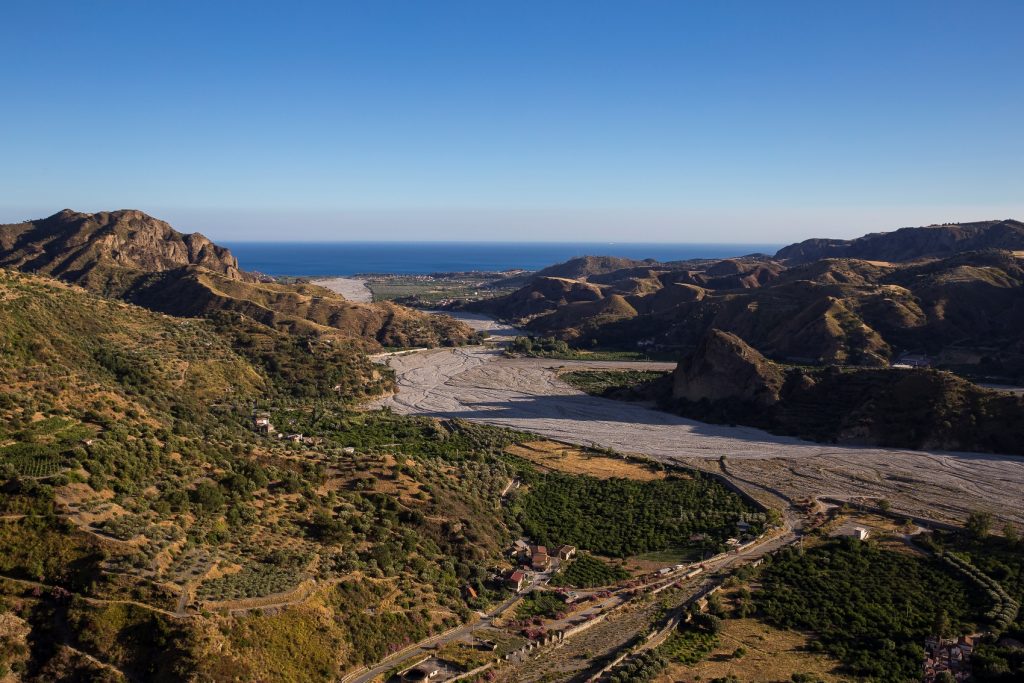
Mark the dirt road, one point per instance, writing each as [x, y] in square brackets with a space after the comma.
[480, 384]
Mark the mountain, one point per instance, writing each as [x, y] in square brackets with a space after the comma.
[135, 257]
[74, 246]
[965, 311]
[151, 532]
[726, 380]
[724, 367]
[909, 244]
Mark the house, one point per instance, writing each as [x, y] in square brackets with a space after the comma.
[860, 533]
[540, 561]
[469, 592]
[261, 423]
[516, 580]
[566, 552]
[294, 438]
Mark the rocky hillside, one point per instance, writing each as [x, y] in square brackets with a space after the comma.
[725, 368]
[135, 257]
[725, 380]
[964, 312]
[73, 245]
[909, 244]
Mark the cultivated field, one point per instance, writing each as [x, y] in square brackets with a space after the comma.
[559, 457]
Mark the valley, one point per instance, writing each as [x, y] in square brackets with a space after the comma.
[209, 474]
[482, 385]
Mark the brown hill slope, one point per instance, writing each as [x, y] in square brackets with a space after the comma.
[965, 311]
[908, 244]
[70, 245]
[135, 257]
[725, 380]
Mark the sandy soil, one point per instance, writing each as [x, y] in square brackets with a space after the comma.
[524, 393]
[481, 323]
[350, 288]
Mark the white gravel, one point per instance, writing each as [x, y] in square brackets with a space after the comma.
[350, 288]
[480, 384]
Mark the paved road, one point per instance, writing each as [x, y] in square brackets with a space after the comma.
[478, 383]
[429, 644]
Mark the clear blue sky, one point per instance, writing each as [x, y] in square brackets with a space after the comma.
[643, 121]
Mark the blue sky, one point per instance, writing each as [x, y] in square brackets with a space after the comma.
[640, 121]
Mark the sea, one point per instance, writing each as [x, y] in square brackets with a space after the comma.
[419, 258]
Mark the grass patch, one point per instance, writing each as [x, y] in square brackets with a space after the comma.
[541, 604]
[606, 382]
[586, 571]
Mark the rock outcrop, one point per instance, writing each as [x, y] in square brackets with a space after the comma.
[724, 367]
[132, 256]
[72, 245]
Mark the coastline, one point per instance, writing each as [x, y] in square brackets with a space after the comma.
[352, 289]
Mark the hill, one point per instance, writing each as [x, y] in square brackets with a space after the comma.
[153, 526]
[909, 244]
[963, 312]
[725, 380]
[135, 257]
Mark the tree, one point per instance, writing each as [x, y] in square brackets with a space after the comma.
[941, 625]
[979, 523]
[1010, 533]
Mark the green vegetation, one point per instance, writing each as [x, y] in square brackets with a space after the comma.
[644, 667]
[610, 382]
[540, 604]
[431, 290]
[688, 644]
[621, 517]
[586, 571]
[871, 608]
[550, 347]
[999, 559]
[691, 642]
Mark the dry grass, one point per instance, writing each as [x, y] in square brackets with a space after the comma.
[563, 458]
[771, 655]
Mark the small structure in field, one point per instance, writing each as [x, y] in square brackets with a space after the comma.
[566, 552]
[261, 423]
[420, 673]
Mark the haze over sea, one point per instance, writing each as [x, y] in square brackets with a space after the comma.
[409, 258]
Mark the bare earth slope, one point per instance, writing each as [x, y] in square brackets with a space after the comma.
[135, 257]
[480, 384]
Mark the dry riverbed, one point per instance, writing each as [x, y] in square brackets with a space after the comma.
[350, 288]
[525, 393]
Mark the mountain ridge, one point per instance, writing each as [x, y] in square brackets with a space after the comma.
[907, 244]
[132, 256]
